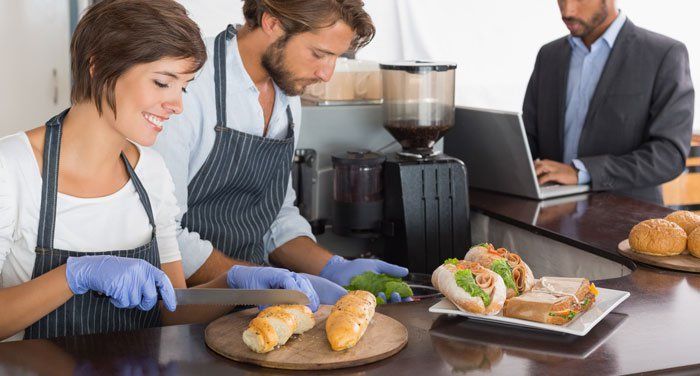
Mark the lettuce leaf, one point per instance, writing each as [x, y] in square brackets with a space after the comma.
[465, 280]
[502, 268]
[451, 261]
[376, 283]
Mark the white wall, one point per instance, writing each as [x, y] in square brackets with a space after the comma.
[34, 37]
[494, 42]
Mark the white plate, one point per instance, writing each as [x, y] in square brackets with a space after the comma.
[606, 301]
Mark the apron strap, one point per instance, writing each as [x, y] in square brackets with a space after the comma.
[143, 195]
[290, 122]
[49, 181]
[220, 73]
[49, 184]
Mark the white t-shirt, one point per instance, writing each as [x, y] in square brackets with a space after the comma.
[114, 222]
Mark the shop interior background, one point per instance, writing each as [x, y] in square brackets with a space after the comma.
[493, 42]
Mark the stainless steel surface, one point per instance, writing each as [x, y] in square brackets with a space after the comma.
[239, 297]
[330, 129]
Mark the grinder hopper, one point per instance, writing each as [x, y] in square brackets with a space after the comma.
[418, 104]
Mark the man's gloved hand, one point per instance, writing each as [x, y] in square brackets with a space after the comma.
[267, 277]
[394, 297]
[128, 282]
[328, 292]
[341, 271]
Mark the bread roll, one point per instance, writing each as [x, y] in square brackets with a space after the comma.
[444, 278]
[274, 325]
[349, 319]
[260, 336]
[303, 315]
[694, 242]
[658, 237]
[687, 220]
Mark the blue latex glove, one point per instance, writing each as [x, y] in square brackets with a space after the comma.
[130, 283]
[394, 297]
[328, 292]
[266, 277]
[341, 271]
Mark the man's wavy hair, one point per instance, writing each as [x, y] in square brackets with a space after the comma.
[299, 16]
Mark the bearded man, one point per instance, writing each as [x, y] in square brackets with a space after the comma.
[230, 152]
[610, 105]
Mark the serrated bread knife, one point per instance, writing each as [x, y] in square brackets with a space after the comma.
[239, 297]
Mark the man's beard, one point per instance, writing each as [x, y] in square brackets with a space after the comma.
[596, 20]
[273, 62]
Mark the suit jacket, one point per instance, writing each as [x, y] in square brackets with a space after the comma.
[637, 132]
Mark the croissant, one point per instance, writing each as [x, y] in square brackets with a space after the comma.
[349, 319]
[470, 286]
[274, 325]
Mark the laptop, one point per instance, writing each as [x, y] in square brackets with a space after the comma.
[494, 147]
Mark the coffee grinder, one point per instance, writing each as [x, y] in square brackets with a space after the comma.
[415, 199]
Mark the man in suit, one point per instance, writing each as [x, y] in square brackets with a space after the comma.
[610, 105]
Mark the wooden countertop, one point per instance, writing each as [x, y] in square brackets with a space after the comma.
[655, 329]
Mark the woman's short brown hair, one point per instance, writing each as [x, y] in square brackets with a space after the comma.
[115, 35]
[298, 16]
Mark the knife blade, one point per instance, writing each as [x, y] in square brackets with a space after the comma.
[239, 297]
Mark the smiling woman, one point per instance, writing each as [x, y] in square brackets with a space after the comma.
[75, 214]
[71, 185]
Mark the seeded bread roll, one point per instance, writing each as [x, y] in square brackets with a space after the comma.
[658, 237]
[274, 325]
[687, 220]
[349, 319]
[694, 242]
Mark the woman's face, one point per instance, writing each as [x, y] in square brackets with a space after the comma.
[147, 95]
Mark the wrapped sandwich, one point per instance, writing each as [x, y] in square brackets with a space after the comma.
[553, 300]
[470, 286]
[516, 275]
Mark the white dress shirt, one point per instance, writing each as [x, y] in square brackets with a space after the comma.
[188, 138]
[585, 68]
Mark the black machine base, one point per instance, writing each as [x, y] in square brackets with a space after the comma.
[426, 211]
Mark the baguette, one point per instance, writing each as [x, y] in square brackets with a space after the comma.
[470, 286]
[274, 325]
[349, 319]
[521, 274]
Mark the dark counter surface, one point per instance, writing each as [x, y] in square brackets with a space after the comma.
[656, 329]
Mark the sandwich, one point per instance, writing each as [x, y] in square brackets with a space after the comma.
[553, 300]
[516, 275]
[470, 286]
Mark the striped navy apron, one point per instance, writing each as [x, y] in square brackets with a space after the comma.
[237, 194]
[86, 313]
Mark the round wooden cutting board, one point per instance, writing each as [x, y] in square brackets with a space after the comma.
[309, 351]
[684, 261]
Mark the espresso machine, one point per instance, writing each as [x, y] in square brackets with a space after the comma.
[414, 199]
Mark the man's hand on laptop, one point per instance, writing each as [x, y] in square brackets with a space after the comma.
[549, 171]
